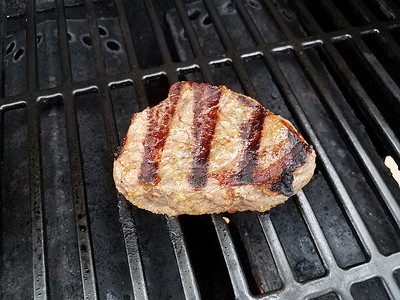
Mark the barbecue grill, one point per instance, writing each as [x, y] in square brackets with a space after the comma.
[72, 74]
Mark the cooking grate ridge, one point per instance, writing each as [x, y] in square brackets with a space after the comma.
[336, 279]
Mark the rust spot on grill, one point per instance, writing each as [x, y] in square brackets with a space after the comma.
[206, 100]
[157, 132]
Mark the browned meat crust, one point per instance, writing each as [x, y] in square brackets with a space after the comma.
[206, 149]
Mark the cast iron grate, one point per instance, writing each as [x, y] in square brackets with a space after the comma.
[73, 73]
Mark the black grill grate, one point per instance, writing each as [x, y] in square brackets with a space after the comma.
[74, 72]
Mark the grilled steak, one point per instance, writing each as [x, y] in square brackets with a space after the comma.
[206, 149]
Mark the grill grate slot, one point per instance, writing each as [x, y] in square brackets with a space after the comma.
[340, 235]
[254, 253]
[330, 296]
[369, 289]
[142, 34]
[300, 251]
[108, 250]
[16, 240]
[208, 263]
[60, 231]
[48, 51]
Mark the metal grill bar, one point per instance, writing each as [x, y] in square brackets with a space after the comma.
[162, 43]
[218, 229]
[366, 161]
[327, 283]
[94, 34]
[316, 232]
[63, 41]
[189, 64]
[326, 163]
[3, 16]
[278, 18]
[123, 21]
[38, 254]
[339, 20]
[189, 284]
[132, 251]
[80, 202]
[355, 87]
[194, 42]
[31, 45]
[231, 258]
[38, 245]
[309, 17]
[229, 46]
[364, 10]
[379, 70]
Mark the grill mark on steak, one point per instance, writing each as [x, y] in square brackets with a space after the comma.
[277, 177]
[157, 133]
[206, 106]
[295, 156]
[250, 133]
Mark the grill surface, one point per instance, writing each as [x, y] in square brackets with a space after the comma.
[74, 72]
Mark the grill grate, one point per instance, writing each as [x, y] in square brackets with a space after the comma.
[74, 72]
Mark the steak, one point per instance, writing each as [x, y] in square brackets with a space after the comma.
[206, 149]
